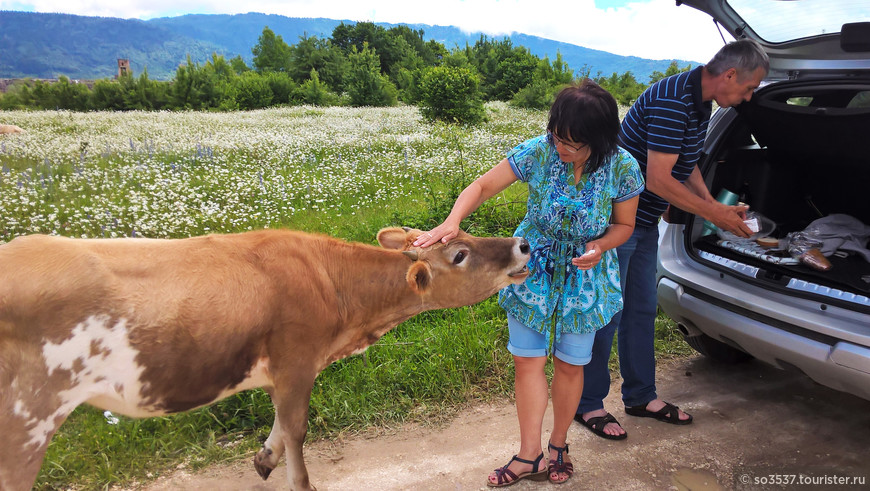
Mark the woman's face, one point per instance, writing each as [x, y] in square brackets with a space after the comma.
[571, 151]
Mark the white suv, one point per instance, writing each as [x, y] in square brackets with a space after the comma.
[799, 155]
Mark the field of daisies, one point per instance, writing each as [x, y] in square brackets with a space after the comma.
[179, 174]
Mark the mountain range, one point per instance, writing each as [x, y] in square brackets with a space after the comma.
[39, 45]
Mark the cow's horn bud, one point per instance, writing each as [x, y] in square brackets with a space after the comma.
[412, 254]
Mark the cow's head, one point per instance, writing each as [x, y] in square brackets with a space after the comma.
[464, 271]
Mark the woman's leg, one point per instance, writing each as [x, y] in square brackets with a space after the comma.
[530, 387]
[567, 388]
[529, 348]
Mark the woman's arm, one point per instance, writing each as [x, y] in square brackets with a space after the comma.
[620, 229]
[484, 187]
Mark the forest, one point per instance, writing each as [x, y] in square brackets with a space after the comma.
[360, 64]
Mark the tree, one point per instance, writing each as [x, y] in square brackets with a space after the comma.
[549, 78]
[107, 95]
[252, 91]
[672, 69]
[624, 88]
[143, 93]
[315, 92]
[504, 69]
[312, 53]
[197, 87]
[282, 86]
[239, 65]
[451, 94]
[365, 84]
[271, 53]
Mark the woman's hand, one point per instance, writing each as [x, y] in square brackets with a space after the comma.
[444, 232]
[589, 258]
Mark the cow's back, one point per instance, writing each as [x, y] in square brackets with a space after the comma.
[201, 306]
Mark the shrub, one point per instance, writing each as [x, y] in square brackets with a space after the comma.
[107, 95]
[365, 84]
[252, 91]
[451, 94]
[283, 87]
[539, 94]
[315, 92]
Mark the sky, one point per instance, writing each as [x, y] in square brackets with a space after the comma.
[654, 29]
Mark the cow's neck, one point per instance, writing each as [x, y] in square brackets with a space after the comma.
[373, 294]
[394, 301]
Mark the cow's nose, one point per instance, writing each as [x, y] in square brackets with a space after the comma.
[524, 245]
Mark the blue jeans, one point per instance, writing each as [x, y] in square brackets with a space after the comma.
[635, 325]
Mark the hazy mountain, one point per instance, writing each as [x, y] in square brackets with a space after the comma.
[49, 45]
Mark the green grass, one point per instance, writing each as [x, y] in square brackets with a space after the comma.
[340, 171]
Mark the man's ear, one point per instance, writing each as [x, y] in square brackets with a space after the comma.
[419, 277]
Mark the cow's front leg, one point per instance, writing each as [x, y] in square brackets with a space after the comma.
[291, 399]
[267, 458]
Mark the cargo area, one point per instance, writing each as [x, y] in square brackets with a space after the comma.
[796, 155]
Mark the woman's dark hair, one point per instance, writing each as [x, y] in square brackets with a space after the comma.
[586, 113]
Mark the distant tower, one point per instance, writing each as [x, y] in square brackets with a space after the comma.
[123, 67]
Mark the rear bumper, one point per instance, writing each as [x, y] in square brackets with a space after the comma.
[830, 361]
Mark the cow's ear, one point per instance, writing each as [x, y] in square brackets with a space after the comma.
[419, 276]
[392, 238]
[397, 238]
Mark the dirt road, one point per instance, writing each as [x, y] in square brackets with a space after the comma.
[752, 423]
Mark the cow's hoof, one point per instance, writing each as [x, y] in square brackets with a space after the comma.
[262, 463]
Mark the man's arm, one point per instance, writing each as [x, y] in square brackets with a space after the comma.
[684, 196]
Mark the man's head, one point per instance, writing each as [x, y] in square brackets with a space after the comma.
[737, 70]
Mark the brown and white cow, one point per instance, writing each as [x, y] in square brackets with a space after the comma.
[147, 327]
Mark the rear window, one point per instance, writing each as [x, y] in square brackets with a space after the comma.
[778, 21]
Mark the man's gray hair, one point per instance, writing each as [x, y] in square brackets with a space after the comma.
[745, 55]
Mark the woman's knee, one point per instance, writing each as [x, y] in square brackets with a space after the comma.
[566, 371]
[529, 364]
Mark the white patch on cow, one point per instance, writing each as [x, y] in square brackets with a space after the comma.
[109, 379]
[258, 377]
[359, 351]
[18, 409]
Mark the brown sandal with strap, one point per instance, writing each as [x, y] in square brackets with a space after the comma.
[558, 465]
[507, 477]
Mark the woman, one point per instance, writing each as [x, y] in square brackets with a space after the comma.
[583, 194]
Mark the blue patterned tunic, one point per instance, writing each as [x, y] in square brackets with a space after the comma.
[560, 218]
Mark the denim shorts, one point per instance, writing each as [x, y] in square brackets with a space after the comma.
[525, 342]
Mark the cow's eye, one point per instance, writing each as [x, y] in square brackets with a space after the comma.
[459, 257]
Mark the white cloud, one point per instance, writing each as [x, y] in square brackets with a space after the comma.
[654, 29]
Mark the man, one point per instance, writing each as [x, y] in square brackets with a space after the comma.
[664, 130]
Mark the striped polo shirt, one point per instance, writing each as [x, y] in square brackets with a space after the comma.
[669, 117]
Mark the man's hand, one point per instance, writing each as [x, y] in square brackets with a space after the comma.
[730, 218]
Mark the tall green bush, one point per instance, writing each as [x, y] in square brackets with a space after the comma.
[364, 83]
[315, 92]
[107, 95]
[451, 94]
[252, 91]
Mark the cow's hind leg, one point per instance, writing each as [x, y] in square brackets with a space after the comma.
[22, 446]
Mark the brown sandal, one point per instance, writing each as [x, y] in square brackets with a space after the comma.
[506, 477]
[558, 465]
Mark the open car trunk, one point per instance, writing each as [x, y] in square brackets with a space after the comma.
[799, 151]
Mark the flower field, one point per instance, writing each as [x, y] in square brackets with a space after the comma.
[177, 174]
